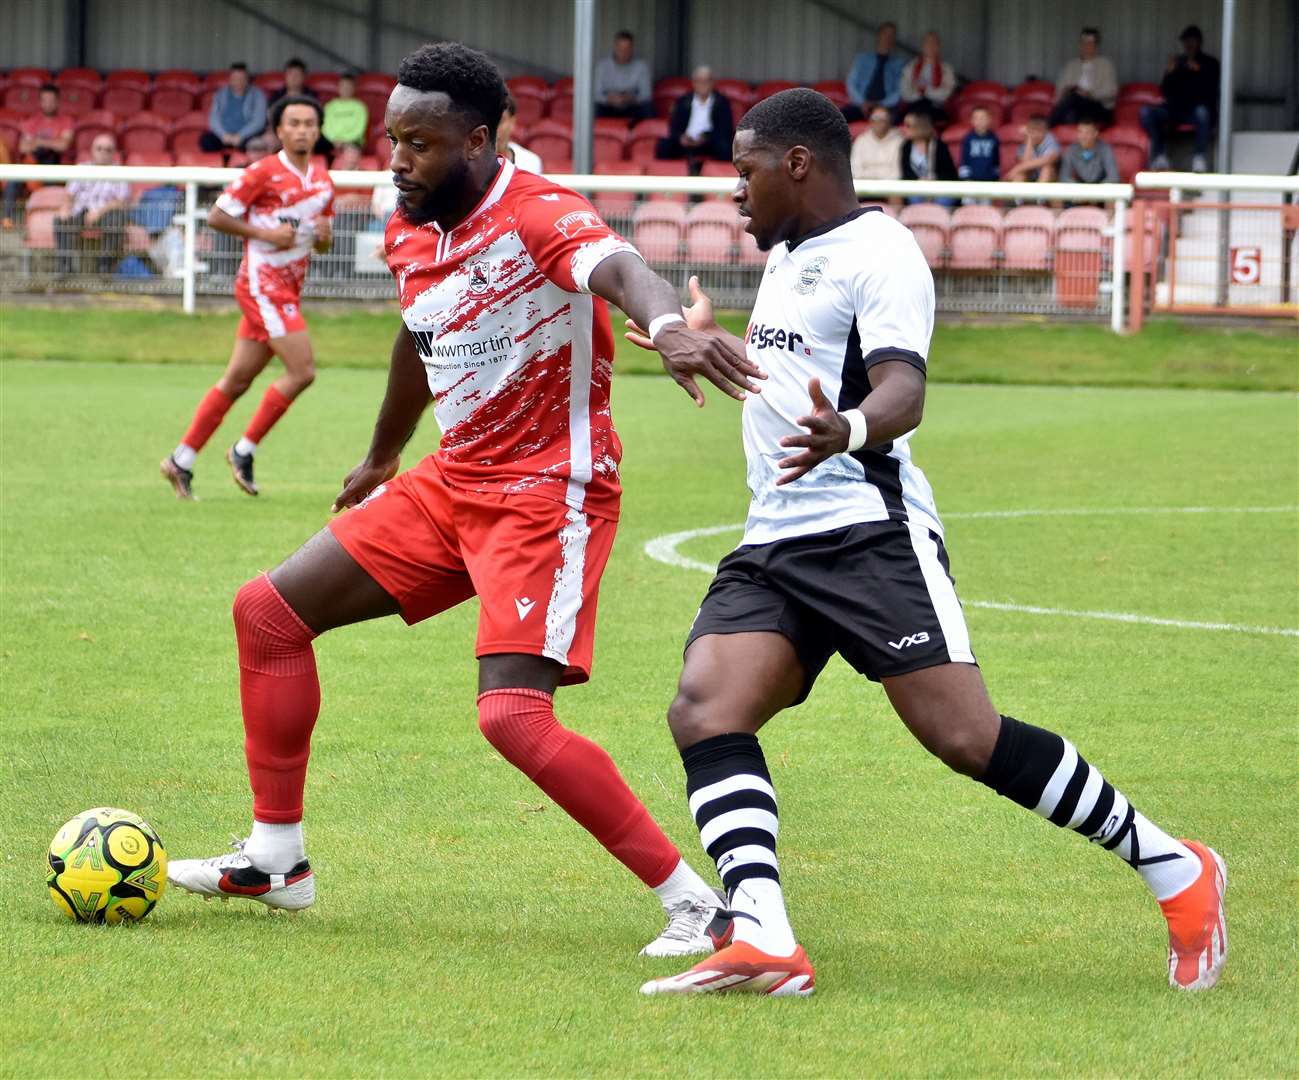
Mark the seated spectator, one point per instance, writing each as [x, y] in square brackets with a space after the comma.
[10, 190]
[524, 158]
[346, 118]
[701, 124]
[1088, 85]
[924, 156]
[46, 135]
[1190, 89]
[238, 113]
[295, 82]
[980, 149]
[875, 78]
[622, 82]
[928, 81]
[1039, 155]
[1089, 161]
[877, 153]
[93, 209]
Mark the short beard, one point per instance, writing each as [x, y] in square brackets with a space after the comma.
[441, 201]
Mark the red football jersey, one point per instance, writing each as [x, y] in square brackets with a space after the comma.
[519, 354]
[269, 192]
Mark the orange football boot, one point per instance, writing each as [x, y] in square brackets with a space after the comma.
[741, 968]
[1197, 925]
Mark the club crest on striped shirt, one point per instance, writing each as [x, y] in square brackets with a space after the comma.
[810, 276]
[480, 277]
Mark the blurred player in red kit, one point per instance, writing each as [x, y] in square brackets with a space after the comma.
[502, 278]
[283, 207]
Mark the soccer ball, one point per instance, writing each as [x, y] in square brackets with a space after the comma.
[106, 866]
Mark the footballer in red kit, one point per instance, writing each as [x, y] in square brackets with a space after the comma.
[503, 279]
[283, 207]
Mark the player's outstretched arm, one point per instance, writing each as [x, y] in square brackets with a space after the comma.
[404, 403]
[282, 236]
[894, 406]
[687, 352]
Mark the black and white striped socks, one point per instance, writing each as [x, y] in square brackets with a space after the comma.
[1045, 773]
[734, 807]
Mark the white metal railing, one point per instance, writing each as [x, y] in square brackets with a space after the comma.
[192, 178]
[1184, 181]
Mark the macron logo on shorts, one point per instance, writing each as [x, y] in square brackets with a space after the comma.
[524, 606]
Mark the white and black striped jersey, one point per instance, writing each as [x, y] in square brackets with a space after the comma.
[833, 304]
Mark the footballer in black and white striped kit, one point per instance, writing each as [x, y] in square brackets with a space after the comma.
[843, 552]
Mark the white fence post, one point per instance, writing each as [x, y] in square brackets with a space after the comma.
[1118, 260]
[191, 234]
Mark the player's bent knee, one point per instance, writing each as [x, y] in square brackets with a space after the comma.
[962, 750]
[690, 719]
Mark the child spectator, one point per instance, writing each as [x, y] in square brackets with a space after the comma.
[928, 81]
[1088, 85]
[47, 134]
[237, 114]
[346, 118]
[1039, 156]
[980, 149]
[622, 82]
[1089, 161]
[877, 153]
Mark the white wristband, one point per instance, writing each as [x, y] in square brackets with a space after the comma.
[663, 320]
[856, 429]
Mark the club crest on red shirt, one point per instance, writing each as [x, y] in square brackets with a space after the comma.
[480, 277]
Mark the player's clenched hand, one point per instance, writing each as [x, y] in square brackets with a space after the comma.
[282, 236]
[362, 480]
[700, 347]
[324, 232]
[827, 435]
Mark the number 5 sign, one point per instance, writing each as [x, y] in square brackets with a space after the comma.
[1246, 265]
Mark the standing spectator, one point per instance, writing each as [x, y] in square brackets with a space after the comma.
[877, 153]
[47, 134]
[93, 207]
[346, 118]
[622, 82]
[701, 124]
[924, 156]
[506, 147]
[980, 149]
[238, 113]
[928, 81]
[1039, 156]
[1190, 89]
[1089, 161]
[295, 82]
[1088, 85]
[875, 78]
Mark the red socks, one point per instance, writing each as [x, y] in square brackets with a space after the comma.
[579, 776]
[207, 418]
[280, 694]
[273, 406]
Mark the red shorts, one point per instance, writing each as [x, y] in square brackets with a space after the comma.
[535, 564]
[268, 313]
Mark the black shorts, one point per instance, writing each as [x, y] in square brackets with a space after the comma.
[878, 593]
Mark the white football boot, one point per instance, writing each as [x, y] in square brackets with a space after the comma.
[694, 926]
[234, 875]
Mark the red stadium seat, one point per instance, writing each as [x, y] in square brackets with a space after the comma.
[133, 78]
[974, 237]
[743, 97]
[122, 100]
[986, 88]
[10, 133]
[719, 170]
[835, 90]
[1131, 148]
[952, 136]
[23, 98]
[615, 204]
[673, 86]
[375, 82]
[656, 167]
[1026, 238]
[148, 119]
[323, 82]
[28, 76]
[171, 102]
[269, 81]
[531, 105]
[561, 108]
[559, 167]
[968, 103]
[1065, 134]
[77, 100]
[1140, 94]
[563, 85]
[1011, 139]
[85, 77]
[153, 161]
[1035, 90]
[528, 84]
[617, 124]
[86, 134]
[39, 231]
[711, 231]
[203, 103]
[550, 139]
[857, 128]
[929, 223]
[1080, 228]
[142, 139]
[186, 130]
[608, 146]
[46, 197]
[200, 159]
[1020, 111]
[179, 79]
[642, 143]
[772, 86]
[1079, 247]
[658, 230]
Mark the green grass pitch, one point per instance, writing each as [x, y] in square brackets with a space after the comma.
[466, 928]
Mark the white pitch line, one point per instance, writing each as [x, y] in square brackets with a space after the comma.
[664, 549]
